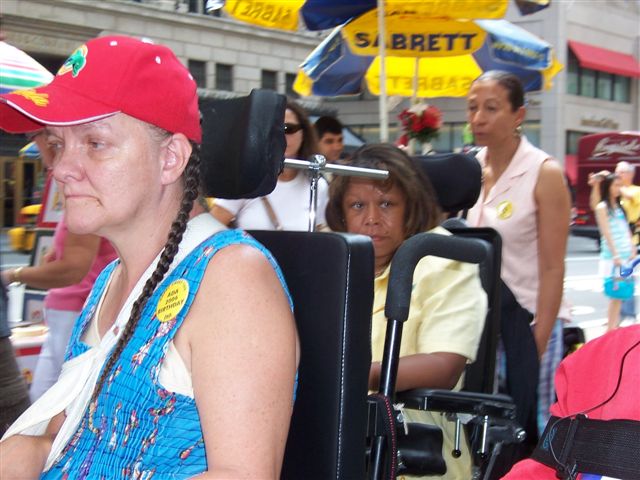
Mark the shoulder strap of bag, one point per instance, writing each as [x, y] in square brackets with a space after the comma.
[582, 445]
[271, 213]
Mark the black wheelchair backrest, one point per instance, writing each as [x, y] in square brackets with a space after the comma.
[480, 376]
[330, 277]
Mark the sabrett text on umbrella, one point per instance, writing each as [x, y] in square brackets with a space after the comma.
[432, 83]
[267, 13]
[420, 42]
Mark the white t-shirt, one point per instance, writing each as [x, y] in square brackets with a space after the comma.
[290, 202]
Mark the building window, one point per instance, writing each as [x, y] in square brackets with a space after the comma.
[605, 82]
[573, 138]
[532, 131]
[200, 6]
[289, 80]
[269, 80]
[198, 70]
[621, 89]
[224, 77]
[573, 76]
[586, 82]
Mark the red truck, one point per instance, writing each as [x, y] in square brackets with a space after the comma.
[598, 151]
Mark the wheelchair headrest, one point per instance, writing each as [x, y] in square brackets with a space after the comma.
[456, 178]
[243, 144]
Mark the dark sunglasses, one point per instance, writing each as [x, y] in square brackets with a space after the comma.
[291, 128]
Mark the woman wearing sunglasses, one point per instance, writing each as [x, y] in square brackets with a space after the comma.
[287, 207]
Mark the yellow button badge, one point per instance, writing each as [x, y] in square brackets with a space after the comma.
[505, 209]
[172, 300]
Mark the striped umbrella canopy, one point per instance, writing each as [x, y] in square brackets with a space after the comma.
[324, 14]
[18, 70]
[334, 68]
[30, 150]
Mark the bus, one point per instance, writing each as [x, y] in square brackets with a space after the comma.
[596, 152]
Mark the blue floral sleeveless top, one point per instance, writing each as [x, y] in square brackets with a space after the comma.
[137, 429]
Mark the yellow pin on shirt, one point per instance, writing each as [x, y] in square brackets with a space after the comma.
[504, 209]
[172, 300]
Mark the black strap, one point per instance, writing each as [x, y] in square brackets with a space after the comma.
[582, 445]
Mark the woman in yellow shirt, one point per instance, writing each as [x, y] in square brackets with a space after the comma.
[448, 304]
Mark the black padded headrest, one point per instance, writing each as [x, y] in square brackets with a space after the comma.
[243, 144]
[456, 178]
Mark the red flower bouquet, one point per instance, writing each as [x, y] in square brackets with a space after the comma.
[421, 122]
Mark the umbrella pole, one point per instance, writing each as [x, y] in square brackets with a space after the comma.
[414, 98]
[382, 99]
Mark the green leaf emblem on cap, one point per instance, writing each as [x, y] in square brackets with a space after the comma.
[76, 62]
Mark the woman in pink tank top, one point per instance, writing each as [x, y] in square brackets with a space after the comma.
[525, 198]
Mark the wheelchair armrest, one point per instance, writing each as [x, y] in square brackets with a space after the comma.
[496, 406]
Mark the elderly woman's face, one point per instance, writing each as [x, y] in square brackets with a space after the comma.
[294, 140]
[378, 213]
[109, 172]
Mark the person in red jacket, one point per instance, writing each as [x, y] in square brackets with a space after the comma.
[589, 378]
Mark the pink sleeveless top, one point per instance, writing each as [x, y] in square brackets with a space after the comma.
[510, 208]
[72, 297]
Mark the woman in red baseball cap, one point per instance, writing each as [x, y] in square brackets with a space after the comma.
[159, 378]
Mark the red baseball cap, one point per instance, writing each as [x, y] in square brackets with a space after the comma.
[105, 76]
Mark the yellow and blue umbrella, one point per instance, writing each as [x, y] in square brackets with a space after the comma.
[325, 14]
[417, 65]
[527, 7]
[18, 70]
[30, 150]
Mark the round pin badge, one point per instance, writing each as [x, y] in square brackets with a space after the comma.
[172, 300]
[505, 209]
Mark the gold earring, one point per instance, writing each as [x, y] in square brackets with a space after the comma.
[518, 131]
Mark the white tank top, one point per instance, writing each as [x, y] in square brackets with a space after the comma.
[174, 374]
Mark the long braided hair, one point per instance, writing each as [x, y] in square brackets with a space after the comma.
[191, 178]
